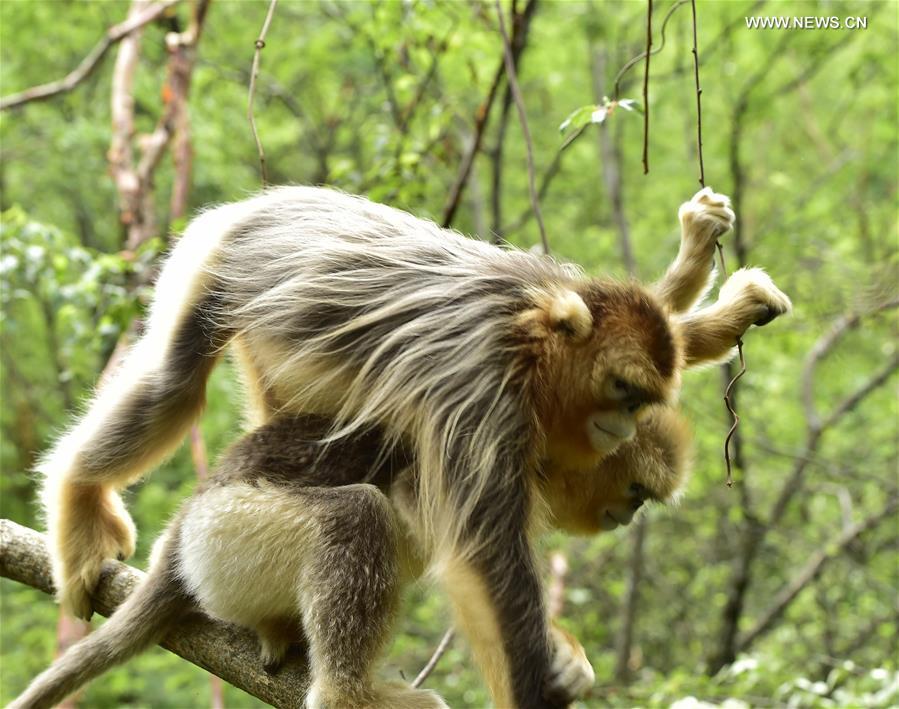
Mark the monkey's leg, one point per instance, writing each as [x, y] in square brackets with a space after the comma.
[748, 297]
[348, 597]
[703, 220]
[138, 417]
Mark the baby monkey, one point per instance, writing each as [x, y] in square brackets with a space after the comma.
[285, 514]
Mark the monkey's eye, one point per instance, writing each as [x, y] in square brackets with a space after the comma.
[634, 407]
[638, 491]
[620, 385]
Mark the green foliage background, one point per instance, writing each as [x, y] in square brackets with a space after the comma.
[800, 124]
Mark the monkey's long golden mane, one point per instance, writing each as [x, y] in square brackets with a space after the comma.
[364, 312]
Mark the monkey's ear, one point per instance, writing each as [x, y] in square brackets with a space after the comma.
[568, 313]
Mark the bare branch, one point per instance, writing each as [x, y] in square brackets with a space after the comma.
[89, 64]
[698, 95]
[435, 658]
[823, 347]
[809, 572]
[482, 115]
[182, 57]
[121, 154]
[548, 176]
[616, 92]
[624, 641]
[730, 403]
[512, 78]
[856, 397]
[815, 433]
[646, 87]
[251, 93]
[227, 651]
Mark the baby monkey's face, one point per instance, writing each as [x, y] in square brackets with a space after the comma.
[620, 510]
[649, 467]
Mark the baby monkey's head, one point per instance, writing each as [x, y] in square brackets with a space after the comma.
[651, 467]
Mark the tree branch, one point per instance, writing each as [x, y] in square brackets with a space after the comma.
[616, 91]
[519, 33]
[808, 573]
[512, 79]
[817, 428]
[89, 64]
[624, 640]
[227, 651]
[442, 647]
[251, 92]
[647, 55]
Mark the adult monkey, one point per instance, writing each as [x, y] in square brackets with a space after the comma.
[283, 514]
[491, 363]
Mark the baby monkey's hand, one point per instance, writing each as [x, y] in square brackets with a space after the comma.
[570, 674]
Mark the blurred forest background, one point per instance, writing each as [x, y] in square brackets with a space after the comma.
[779, 591]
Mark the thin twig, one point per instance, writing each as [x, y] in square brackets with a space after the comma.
[254, 72]
[114, 34]
[512, 78]
[727, 390]
[823, 347]
[546, 181]
[811, 571]
[646, 87]
[636, 60]
[733, 412]
[483, 114]
[698, 96]
[730, 385]
[435, 658]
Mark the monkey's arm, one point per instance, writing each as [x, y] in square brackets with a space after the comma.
[500, 611]
[703, 220]
[748, 297]
[497, 600]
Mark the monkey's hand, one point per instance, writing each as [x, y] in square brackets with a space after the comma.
[87, 524]
[704, 219]
[754, 297]
[749, 297]
[570, 674]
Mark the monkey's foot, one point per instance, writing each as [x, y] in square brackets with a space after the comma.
[89, 525]
[570, 674]
[753, 290]
[705, 217]
[389, 695]
[274, 642]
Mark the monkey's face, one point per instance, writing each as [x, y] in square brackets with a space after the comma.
[605, 354]
[619, 405]
[621, 509]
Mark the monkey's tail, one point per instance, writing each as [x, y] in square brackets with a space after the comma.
[141, 621]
